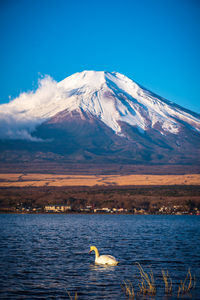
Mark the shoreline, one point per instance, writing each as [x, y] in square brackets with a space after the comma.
[92, 213]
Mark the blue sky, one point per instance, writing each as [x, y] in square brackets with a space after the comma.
[154, 42]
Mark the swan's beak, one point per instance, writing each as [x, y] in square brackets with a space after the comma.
[90, 251]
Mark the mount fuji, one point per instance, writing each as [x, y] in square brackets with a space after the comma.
[97, 118]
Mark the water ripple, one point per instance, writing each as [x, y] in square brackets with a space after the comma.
[46, 256]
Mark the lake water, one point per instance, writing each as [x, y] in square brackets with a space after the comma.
[46, 256]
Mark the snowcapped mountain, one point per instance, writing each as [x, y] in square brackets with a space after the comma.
[100, 116]
[110, 97]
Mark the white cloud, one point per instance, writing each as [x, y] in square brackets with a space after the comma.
[19, 117]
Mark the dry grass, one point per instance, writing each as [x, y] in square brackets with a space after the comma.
[147, 283]
[187, 285]
[128, 289]
[168, 282]
[39, 180]
[75, 296]
[147, 287]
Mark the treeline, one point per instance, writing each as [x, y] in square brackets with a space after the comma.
[152, 199]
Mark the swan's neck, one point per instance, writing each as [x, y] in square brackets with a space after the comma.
[96, 252]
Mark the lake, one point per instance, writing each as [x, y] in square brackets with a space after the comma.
[47, 256]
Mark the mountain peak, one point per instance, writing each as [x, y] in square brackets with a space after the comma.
[80, 79]
[96, 80]
[113, 98]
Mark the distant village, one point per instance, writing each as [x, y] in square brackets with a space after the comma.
[161, 200]
[163, 210]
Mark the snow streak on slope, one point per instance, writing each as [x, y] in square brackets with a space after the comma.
[111, 97]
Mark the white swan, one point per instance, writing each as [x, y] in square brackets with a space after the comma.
[103, 259]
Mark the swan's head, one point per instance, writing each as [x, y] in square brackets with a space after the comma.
[92, 248]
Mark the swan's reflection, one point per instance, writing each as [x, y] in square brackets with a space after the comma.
[102, 276]
[102, 268]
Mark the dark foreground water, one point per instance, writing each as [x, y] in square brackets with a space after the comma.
[44, 256]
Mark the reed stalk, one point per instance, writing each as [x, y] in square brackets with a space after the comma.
[147, 284]
[128, 289]
[75, 296]
[168, 282]
[186, 285]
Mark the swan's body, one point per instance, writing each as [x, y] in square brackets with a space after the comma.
[103, 259]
